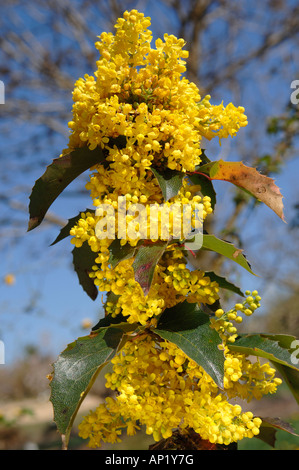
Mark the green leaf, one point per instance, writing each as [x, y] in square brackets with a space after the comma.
[183, 316]
[290, 377]
[65, 231]
[170, 181]
[223, 283]
[119, 322]
[59, 174]
[120, 252]
[227, 249]
[83, 261]
[111, 297]
[187, 326]
[269, 428]
[207, 188]
[145, 263]
[57, 177]
[75, 371]
[109, 320]
[279, 350]
[285, 341]
[272, 347]
[207, 168]
[204, 158]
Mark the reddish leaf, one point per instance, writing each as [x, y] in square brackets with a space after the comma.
[145, 262]
[260, 186]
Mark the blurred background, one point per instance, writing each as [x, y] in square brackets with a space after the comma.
[241, 52]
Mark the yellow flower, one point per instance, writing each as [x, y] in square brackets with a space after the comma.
[155, 391]
[9, 279]
[138, 93]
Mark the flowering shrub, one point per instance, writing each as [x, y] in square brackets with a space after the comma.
[138, 125]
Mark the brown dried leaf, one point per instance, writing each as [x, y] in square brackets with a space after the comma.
[260, 186]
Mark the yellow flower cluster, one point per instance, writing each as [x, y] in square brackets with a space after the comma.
[167, 289]
[160, 388]
[171, 284]
[223, 321]
[155, 220]
[138, 93]
[239, 370]
[193, 285]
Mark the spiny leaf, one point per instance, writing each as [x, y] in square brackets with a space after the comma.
[110, 320]
[204, 157]
[59, 174]
[212, 243]
[271, 347]
[183, 316]
[290, 378]
[269, 428]
[65, 231]
[75, 371]
[57, 177]
[205, 184]
[170, 182]
[83, 261]
[145, 263]
[119, 322]
[223, 283]
[282, 355]
[120, 252]
[188, 327]
[260, 186]
[111, 297]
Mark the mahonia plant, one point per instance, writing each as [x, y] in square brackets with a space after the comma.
[138, 125]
